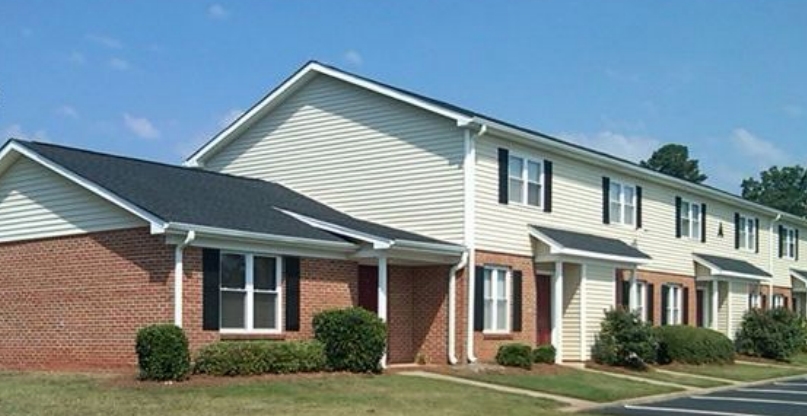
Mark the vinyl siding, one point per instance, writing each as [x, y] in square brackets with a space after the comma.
[37, 203]
[739, 305]
[370, 156]
[723, 308]
[577, 206]
[782, 266]
[571, 313]
[600, 297]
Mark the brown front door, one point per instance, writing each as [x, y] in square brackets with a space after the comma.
[543, 315]
[368, 288]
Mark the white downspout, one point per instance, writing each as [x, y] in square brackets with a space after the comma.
[179, 275]
[469, 185]
[452, 306]
[770, 259]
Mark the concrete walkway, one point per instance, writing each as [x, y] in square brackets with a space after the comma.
[569, 401]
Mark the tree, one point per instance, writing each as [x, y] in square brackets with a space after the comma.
[673, 159]
[784, 189]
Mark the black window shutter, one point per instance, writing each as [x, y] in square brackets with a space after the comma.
[756, 235]
[626, 294]
[211, 265]
[504, 169]
[797, 244]
[517, 300]
[547, 186]
[606, 195]
[479, 299]
[665, 291]
[638, 207]
[781, 240]
[678, 217]
[650, 302]
[685, 306]
[736, 230]
[703, 223]
[291, 274]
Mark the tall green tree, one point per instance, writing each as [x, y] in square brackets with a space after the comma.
[673, 159]
[781, 188]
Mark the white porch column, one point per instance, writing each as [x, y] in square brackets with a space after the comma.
[382, 298]
[584, 347]
[557, 310]
[714, 305]
[178, 280]
[633, 301]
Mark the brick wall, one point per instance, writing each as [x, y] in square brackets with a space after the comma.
[658, 279]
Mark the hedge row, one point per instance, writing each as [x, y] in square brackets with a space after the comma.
[247, 358]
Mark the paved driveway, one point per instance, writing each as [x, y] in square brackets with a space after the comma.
[786, 398]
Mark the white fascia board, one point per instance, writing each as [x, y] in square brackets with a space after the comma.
[154, 221]
[589, 156]
[378, 242]
[296, 81]
[203, 230]
[450, 249]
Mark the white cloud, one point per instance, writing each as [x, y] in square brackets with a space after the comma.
[15, 131]
[77, 58]
[140, 126]
[217, 11]
[633, 148]
[762, 152]
[67, 111]
[229, 117]
[105, 41]
[352, 57]
[119, 64]
[793, 110]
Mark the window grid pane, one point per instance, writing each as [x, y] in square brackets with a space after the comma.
[233, 271]
[233, 309]
[265, 311]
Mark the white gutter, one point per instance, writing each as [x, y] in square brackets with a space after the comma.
[770, 257]
[179, 275]
[452, 306]
[469, 217]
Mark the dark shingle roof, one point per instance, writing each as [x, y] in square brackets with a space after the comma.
[198, 197]
[591, 243]
[733, 265]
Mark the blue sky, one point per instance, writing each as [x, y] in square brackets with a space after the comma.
[155, 79]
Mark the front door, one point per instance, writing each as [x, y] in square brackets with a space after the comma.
[368, 288]
[543, 315]
[701, 307]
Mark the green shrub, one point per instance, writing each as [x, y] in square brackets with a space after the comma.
[624, 340]
[544, 354]
[244, 358]
[691, 345]
[162, 353]
[354, 339]
[776, 334]
[515, 355]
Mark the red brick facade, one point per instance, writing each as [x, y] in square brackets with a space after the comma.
[658, 279]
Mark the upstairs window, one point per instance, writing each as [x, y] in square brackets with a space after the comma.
[691, 220]
[622, 203]
[747, 231]
[789, 242]
[525, 181]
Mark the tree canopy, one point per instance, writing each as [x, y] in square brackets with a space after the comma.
[781, 188]
[673, 159]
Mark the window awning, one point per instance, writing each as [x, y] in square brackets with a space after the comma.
[799, 280]
[574, 244]
[728, 267]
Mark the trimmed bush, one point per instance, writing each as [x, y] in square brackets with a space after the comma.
[544, 354]
[245, 358]
[624, 340]
[515, 355]
[776, 334]
[354, 339]
[162, 353]
[691, 345]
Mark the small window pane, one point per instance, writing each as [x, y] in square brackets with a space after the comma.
[489, 314]
[516, 190]
[233, 306]
[501, 315]
[265, 273]
[488, 287]
[534, 194]
[516, 166]
[616, 212]
[629, 215]
[628, 195]
[616, 192]
[534, 172]
[685, 227]
[685, 210]
[265, 314]
[501, 292]
[233, 271]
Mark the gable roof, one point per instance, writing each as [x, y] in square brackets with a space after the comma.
[175, 194]
[726, 266]
[587, 245]
[465, 117]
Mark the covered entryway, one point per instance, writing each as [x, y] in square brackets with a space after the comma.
[581, 284]
[798, 281]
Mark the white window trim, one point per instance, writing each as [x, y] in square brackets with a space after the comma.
[694, 230]
[525, 161]
[249, 259]
[673, 307]
[747, 234]
[789, 243]
[778, 301]
[508, 297]
[622, 203]
[755, 299]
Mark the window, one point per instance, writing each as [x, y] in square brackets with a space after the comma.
[674, 301]
[747, 233]
[525, 181]
[778, 301]
[691, 220]
[754, 300]
[497, 299]
[622, 203]
[789, 242]
[641, 300]
[250, 293]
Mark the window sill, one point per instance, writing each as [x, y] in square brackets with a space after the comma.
[491, 336]
[251, 337]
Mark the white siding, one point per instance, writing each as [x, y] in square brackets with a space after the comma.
[782, 266]
[357, 151]
[577, 206]
[600, 297]
[37, 203]
[739, 305]
[571, 313]
[723, 308]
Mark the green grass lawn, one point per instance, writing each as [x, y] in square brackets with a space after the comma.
[666, 377]
[575, 383]
[799, 360]
[61, 394]
[737, 372]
